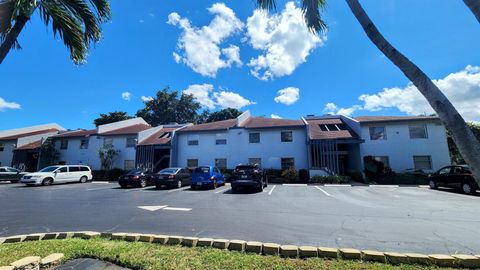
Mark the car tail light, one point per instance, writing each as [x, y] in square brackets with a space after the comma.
[136, 177]
[171, 177]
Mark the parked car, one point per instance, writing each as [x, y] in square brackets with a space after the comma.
[172, 177]
[207, 176]
[136, 177]
[456, 176]
[248, 176]
[58, 174]
[11, 174]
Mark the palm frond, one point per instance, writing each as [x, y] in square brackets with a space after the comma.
[266, 4]
[66, 26]
[102, 7]
[81, 11]
[311, 12]
[6, 13]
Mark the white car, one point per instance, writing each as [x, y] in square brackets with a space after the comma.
[58, 174]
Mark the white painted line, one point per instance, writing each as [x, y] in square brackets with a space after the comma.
[92, 189]
[221, 190]
[178, 189]
[424, 186]
[295, 185]
[384, 186]
[271, 190]
[338, 185]
[177, 209]
[99, 182]
[326, 193]
[153, 207]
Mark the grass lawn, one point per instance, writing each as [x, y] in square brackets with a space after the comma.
[139, 255]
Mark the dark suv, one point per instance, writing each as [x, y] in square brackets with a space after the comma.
[456, 176]
[248, 176]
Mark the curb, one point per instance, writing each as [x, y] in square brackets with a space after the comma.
[268, 249]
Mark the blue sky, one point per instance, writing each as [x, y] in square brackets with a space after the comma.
[136, 56]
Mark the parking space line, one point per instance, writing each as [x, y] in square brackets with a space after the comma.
[177, 209]
[338, 185]
[385, 186]
[271, 190]
[100, 182]
[294, 185]
[178, 189]
[93, 189]
[326, 193]
[222, 190]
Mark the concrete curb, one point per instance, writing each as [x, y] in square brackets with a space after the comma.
[272, 249]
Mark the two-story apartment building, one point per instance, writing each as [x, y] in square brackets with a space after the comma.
[272, 143]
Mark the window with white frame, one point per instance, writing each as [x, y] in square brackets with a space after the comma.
[377, 133]
[63, 144]
[192, 140]
[287, 163]
[384, 159]
[220, 139]
[131, 142]
[422, 162]
[254, 137]
[254, 161]
[221, 163]
[287, 136]
[192, 163]
[418, 131]
[129, 165]
[84, 144]
[107, 141]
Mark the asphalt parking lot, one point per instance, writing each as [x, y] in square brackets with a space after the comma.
[412, 219]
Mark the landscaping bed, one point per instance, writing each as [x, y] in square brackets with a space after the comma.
[140, 255]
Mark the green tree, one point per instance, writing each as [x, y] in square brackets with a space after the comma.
[76, 22]
[225, 114]
[463, 136]
[107, 154]
[167, 107]
[111, 117]
[48, 154]
[454, 152]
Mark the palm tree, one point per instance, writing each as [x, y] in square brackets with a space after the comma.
[463, 136]
[474, 6]
[76, 22]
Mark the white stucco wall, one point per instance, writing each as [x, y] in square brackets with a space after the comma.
[239, 150]
[6, 155]
[74, 155]
[400, 148]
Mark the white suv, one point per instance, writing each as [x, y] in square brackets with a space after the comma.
[58, 174]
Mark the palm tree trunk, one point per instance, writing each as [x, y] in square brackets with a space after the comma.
[12, 36]
[474, 6]
[462, 135]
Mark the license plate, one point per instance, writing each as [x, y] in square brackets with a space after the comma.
[199, 184]
[126, 178]
[244, 176]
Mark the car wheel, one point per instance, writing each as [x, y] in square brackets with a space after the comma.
[83, 179]
[260, 189]
[192, 187]
[143, 183]
[432, 184]
[179, 184]
[467, 188]
[14, 181]
[47, 182]
[123, 186]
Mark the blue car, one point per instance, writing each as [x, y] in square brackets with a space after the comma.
[207, 176]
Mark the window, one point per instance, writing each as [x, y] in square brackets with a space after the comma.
[254, 161]
[422, 162]
[84, 169]
[445, 170]
[107, 141]
[418, 131]
[63, 144]
[63, 170]
[192, 140]
[332, 127]
[254, 137]
[12, 170]
[221, 141]
[220, 138]
[74, 169]
[287, 136]
[384, 159]
[221, 163]
[84, 144]
[131, 142]
[129, 165]
[3, 170]
[192, 163]
[288, 163]
[2, 147]
[377, 133]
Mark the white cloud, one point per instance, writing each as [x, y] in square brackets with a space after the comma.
[226, 99]
[285, 40]
[127, 96]
[332, 108]
[200, 47]
[462, 88]
[5, 105]
[210, 99]
[275, 116]
[177, 57]
[146, 99]
[201, 92]
[288, 95]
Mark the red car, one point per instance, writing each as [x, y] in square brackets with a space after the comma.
[455, 176]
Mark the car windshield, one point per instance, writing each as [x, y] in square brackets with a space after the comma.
[168, 171]
[135, 171]
[49, 169]
[202, 170]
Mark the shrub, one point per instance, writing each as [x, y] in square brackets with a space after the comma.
[355, 176]
[99, 175]
[415, 178]
[303, 175]
[290, 175]
[114, 174]
[331, 179]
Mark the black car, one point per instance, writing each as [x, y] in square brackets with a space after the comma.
[172, 178]
[248, 176]
[136, 177]
[455, 176]
[11, 174]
